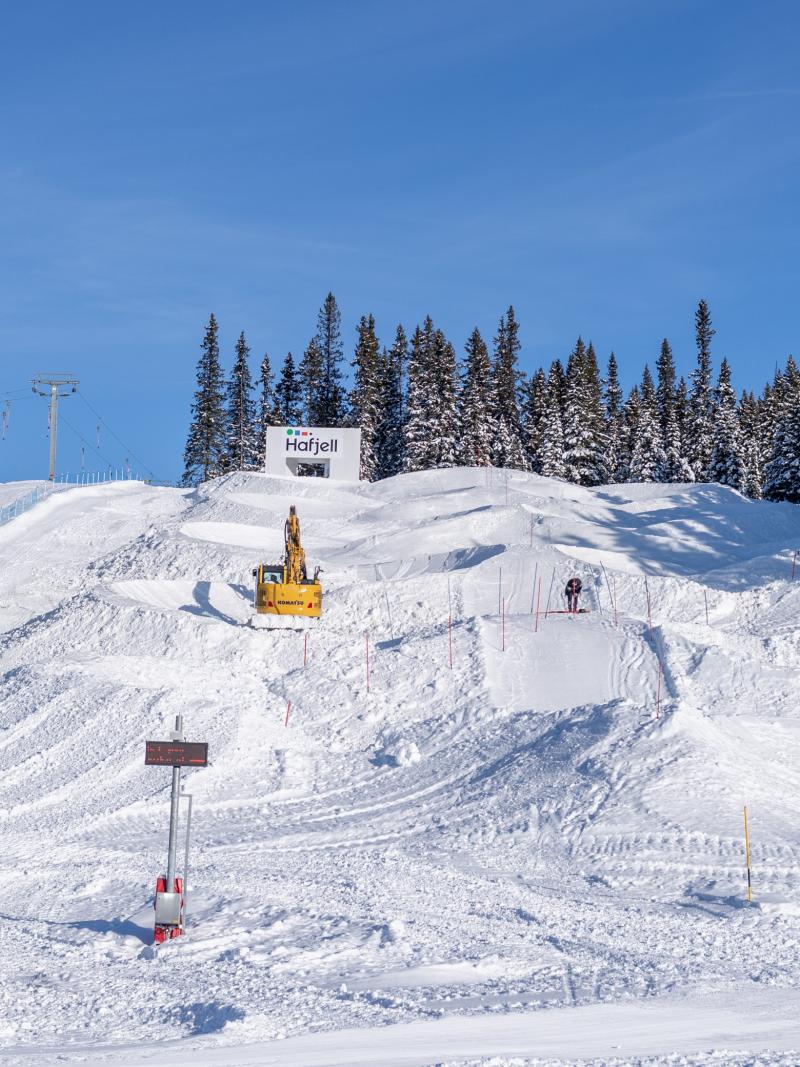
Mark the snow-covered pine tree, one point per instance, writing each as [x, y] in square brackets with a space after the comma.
[366, 398]
[700, 442]
[676, 467]
[268, 411]
[204, 455]
[533, 413]
[665, 390]
[613, 398]
[584, 432]
[418, 427]
[241, 449]
[726, 457]
[782, 471]
[752, 481]
[646, 453]
[328, 338]
[390, 432]
[288, 395]
[311, 379]
[557, 384]
[476, 415]
[445, 401]
[551, 456]
[682, 416]
[596, 416]
[507, 430]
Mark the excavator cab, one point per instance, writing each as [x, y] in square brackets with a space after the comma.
[284, 588]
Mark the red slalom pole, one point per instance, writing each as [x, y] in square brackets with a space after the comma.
[366, 646]
[288, 709]
[538, 604]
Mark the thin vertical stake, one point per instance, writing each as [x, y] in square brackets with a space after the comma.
[288, 709]
[614, 584]
[705, 598]
[499, 589]
[538, 603]
[747, 855]
[503, 621]
[549, 591]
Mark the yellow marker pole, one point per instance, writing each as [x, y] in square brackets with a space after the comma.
[747, 855]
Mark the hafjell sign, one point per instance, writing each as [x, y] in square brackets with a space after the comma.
[328, 451]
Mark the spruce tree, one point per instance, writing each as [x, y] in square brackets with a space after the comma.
[726, 458]
[366, 398]
[507, 431]
[533, 415]
[311, 378]
[700, 441]
[445, 418]
[242, 445]
[331, 406]
[420, 405]
[288, 395]
[551, 457]
[646, 454]
[665, 391]
[390, 432]
[752, 480]
[268, 410]
[476, 422]
[782, 472]
[685, 472]
[204, 455]
[584, 432]
[613, 400]
[675, 466]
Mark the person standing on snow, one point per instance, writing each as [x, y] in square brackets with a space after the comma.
[572, 592]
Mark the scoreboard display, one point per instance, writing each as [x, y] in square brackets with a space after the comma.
[176, 753]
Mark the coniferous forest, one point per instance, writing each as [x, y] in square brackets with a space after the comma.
[420, 406]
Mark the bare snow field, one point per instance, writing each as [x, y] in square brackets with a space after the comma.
[532, 857]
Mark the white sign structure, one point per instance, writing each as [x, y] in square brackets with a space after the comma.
[326, 452]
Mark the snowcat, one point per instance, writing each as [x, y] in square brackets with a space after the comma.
[285, 596]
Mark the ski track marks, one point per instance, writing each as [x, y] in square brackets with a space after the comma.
[551, 824]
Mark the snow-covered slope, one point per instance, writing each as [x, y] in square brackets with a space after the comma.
[554, 821]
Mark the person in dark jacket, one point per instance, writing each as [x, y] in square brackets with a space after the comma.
[572, 592]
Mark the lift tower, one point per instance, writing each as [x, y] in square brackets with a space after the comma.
[54, 386]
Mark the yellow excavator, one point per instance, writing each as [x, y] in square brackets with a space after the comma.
[284, 589]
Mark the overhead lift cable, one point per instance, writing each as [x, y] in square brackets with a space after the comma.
[118, 439]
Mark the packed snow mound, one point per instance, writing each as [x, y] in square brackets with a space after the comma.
[447, 798]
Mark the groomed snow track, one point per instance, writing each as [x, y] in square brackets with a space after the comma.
[552, 823]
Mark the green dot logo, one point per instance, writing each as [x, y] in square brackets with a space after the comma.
[289, 433]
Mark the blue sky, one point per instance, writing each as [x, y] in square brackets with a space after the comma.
[600, 166]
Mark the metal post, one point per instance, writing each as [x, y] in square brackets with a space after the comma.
[177, 735]
[186, 796]
[56, 384]
[53, 428]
